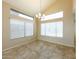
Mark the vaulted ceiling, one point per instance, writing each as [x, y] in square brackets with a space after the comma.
[31, 7]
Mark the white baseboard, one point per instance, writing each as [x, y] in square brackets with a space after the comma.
[18, 45]
[34, 40]
[67, 45]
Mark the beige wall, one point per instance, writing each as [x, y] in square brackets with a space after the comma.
[60, 5]
[5, 32]
[6, 41]
[68, 22]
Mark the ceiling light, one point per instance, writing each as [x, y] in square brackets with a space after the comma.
[40, 15]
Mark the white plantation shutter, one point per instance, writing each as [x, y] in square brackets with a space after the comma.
[20, 25]
[28, 28]
[54, 29]
[16, 28]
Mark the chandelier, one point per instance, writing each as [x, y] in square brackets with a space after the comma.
[40, 15]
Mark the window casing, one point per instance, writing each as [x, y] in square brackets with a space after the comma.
[53, 28]
[20, 26]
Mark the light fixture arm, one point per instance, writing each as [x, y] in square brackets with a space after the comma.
[39, 15]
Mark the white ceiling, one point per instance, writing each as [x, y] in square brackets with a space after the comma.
[31, 7]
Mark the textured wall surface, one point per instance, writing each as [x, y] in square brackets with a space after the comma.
[68, 22]
[6, 41]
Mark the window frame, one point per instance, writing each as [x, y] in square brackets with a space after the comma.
[52, 21]
[24, 24]
[56, 35]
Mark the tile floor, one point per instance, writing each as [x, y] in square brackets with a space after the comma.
[40, 50]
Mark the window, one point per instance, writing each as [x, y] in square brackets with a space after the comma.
[43, 29]
[53, 16]
[51, 29]
[59, 29]
[16, 13]
[28, 28]
[16, 28]
[54, 29]
[24, 16]
[20, 25]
